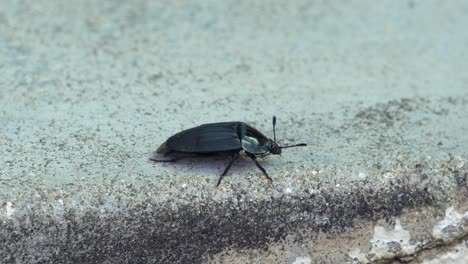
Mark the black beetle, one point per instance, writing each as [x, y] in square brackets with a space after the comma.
[229, 137]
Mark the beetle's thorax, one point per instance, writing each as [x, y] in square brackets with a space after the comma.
[254, 145]
[255, 142]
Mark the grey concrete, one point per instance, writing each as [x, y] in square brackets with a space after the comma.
[89, 89]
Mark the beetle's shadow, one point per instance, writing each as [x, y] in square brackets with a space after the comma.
[208, 164]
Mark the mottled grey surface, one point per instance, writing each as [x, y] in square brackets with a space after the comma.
[89, 89]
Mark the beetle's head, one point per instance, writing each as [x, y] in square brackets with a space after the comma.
[273, 147]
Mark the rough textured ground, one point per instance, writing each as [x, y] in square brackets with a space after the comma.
[89, 89]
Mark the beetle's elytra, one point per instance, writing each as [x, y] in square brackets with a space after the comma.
[228, 137]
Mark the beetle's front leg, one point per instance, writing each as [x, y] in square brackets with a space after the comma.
[235, 155]
[254, 158]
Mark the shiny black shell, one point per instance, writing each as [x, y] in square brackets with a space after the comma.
[216, 137]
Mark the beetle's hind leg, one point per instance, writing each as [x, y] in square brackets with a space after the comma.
[235, 155]
[252, 156]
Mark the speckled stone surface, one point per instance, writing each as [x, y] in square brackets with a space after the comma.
[90, 89]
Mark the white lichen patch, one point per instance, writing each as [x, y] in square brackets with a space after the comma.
[390, 243]
[355, 254]
[386, 244]
[302, 260]
[362, 175]
[10, 209]
[453, 226]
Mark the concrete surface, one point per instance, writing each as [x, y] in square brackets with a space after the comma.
[89, 89]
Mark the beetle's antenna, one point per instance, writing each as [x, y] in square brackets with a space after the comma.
[274, 126]
[296, 145]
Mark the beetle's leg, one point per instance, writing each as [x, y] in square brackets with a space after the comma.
[252, 156]
[235, 155]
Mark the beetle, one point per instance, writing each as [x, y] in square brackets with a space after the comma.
[224, 137]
